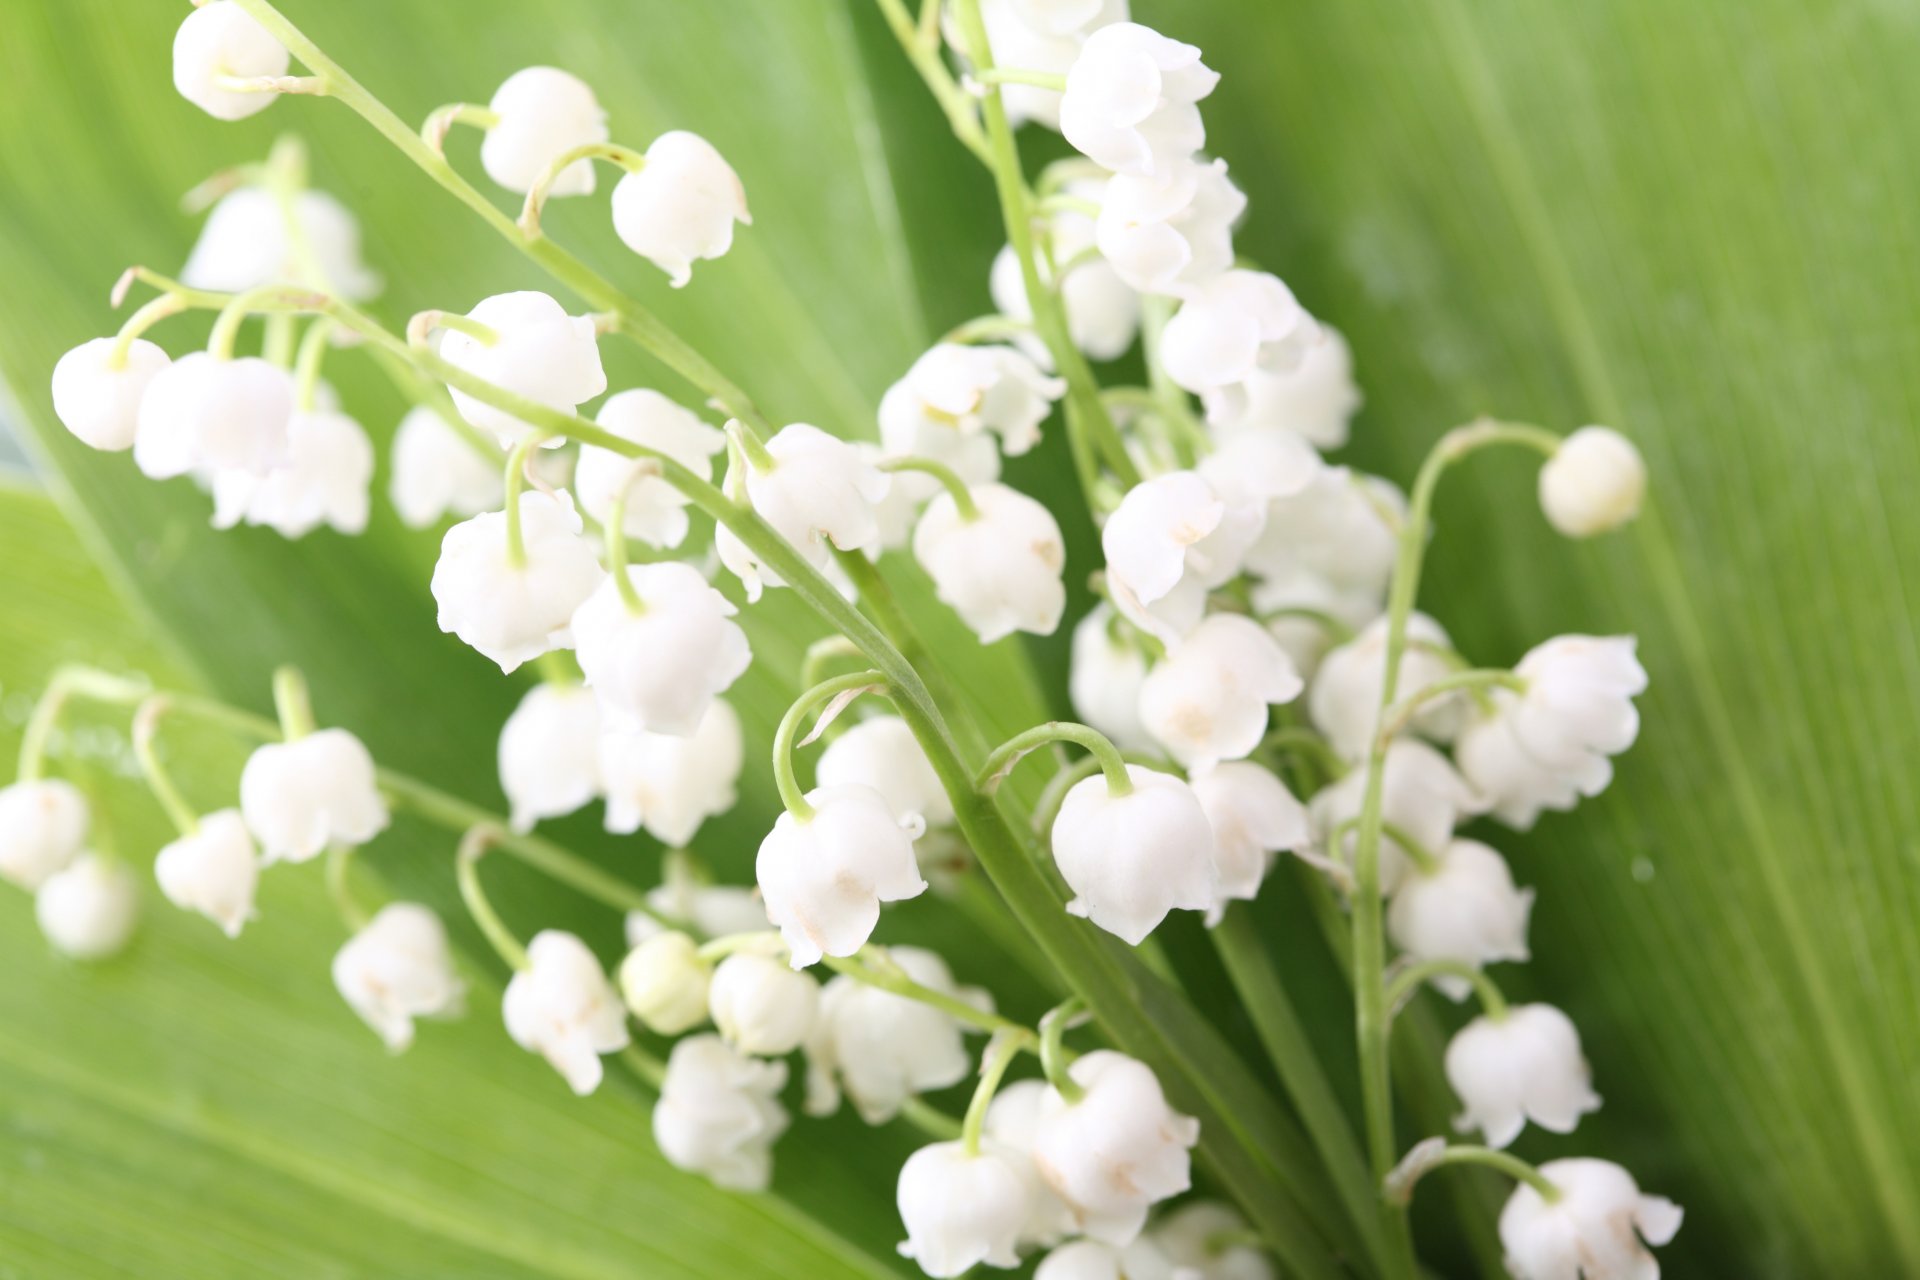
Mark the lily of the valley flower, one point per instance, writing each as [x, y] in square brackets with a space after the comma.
[1208, 700]
[761, 1006]
[1342, 529]
[536, 350]
[1103, 310]
[962, 1208]
[1516, 784]
[881, 752]
[549, 753]
[665, 983]
[1171, 540]
[1231, 327]
[680, 206]
[1421, 796]
[715, 910]
[543, 113]
[1345, 700]
[1095, 1260]
[1523, 1065]
[221, 41]
[1036, 35]
[1253, 816]
[660, 669]
[563, 1008]
[669, 784]
[719, 1113]
[1578, 703]
[1593, 484]
[824, 877]
[1000, 568]
[301, 796]
[1465, 909]
[1104, 679]
[884, 1048]
[435, 472]
[398, 967]
[821, 493]
[1117, 1150]
[969, 389]
[212, 870]
[43, 824]
[1129, 99]
[1315, 401]
[1598, 1229]
[654, 511]
[510, 612]
[202, 413]
[244, 244]
[98, 403]
[1012, 1123]
[1130, 859]
[87, 909]
[323, 481]
[1207, 1240]
[1170, 233]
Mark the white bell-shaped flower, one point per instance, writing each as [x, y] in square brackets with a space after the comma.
[213, 870]
[1597, 1229]
[1525, 1065]
[1131, 859]
[1315, 401]
[962, 1209]
[719, 1113]
[665, 983]
[202, 413]
[1465, 909]
[218, 41]
[1205, 1240]
[1342, 528]
[1095, 1260]
[43, 824]
[1064, 17]
[715, 910]
[549, 754]
[680, 206]
[1171, 539]
[761, 1006]
[671, 784]
[244, 244]
[514, 613]
[1307, 638]
[543, 114]
[1421, 795]
[881, 752]
[884, 1048]
[1000, 570]
[1578, 703]
[1253, 816]
[436, 473]
[1116, 1151]
[825, 876]
[397, 968]
[538, 351]
[1345, 700]
[1170, 233]
[87, 909]
[969, 389]
[1012, 1124]
[324, 481]
[1232, 326]
[655, 511]
[821, 493]
[301, 796]
[660, 669]
[1103, 310]
[1036, 35]
[1207, 700]
[1259, 468]
[1129, 100]
[1516, 784]
[98, 403]
[1104, 679]
[1594, 484]
[562, 1007]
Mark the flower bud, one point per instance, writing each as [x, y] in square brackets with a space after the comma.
[659, 670]
[670, 784]
[549, 753]
[1420, 794]
[1129, 100]
[202, 413]
[1593, 484]
[1598, 1228]
[87, 909]
[664, 982]
[1233, 326]
[212, 870]
[961, 1209]
[681, 206]
[1173, 232]
[435, 472]
[398, 968]
[654, 511]
[824, 877]
[1131, 859]
[1253, 816]
[221, 40]
[1345, 700]
[301, 796]
[884, 1048]
[43, 824]
[539, 351]
[1526, 1065]
[1001, 571]
[1116, 1151]
[99, 404]
[761, 1006]
[562, 1007]
[1105, 678]
[881, 752]
[1208, 700]
[244, 244]
[543, 114]
[323, 481]
[1465, 909]
[514, 613]
[719, 1113]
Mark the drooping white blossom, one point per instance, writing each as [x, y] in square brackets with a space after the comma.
[1253, 816]
[1131, 859]
[1206, 1240]
[543, 114]
[1129, 99]
[961, 1209]
[881, 752]
[436, 473]
[1345, 699]
[98, 403]
[883, 1048]
[1012, 1123]
[1594, 484]
[549, 756]
[1001, 570]
[1170, 233]
[43, 824]
[202, 413]
[1172, 539]
[680, 206]
[1258, 469]
[1525, 1065]
[1598, 1228]
[655, 512]
[1342, 529]
[510, 612]
[562, 1007]
[1096, 1260]
[665, 983]
[671, 784]
[1421, 796]
[660, 669]
[968, 389]
[87, 909]
[824, 877]
[301, 796]
[1315, 401]
[1105, 677]
[1116, 1151]
[1516, 784]
[1208, 700]
[218, 41]
[212, 870]
[324, 480]
[1465, 909]
[537, 351]
[761, 1006]
[719, 1113]
[1233, 326]
[1577, 706]
[398, 967]
[244, 244]
[821, 493]
[1036, 35]
[1103, 309]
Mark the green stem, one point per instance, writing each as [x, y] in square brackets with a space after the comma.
[1334, 627]
[949, 480]
[792, 795]
[421, 325]
[1304, 742]
[292, 703]
[1171, 404]
[1001, 761]
[615, 533]
[1492, 1002]
[930, 1120]
[650, 1069]
[873, 967]
[993, 1068]
[146, 730]
[1054, 1059]
[1458, 1153]
[473, 847]
[1048, 807]
[442, 119]
[1473, 679]
[921, 42]
[153, 312]
[65, 683]
[626, 157]
[226, 326]
[821, 652]
[306, 366]
[1053, 80]
[339, 862]
[1423, 858]
[515, 483]
[747, 442]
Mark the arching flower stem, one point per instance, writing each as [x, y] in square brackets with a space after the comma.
[473, 846]
[999, 1055]
[949, 480]
[146, 731]
[792, 795]
[1001, 761]
[626, 157]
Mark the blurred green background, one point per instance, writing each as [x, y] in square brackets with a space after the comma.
[1691, 221]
